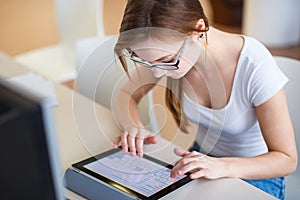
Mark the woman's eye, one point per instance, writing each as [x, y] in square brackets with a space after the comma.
[167, 61]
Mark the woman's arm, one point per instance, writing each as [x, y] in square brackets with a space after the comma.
[277, 129]
[125, 110]
[280, 160]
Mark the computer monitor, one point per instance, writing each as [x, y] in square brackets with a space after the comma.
[30, 167]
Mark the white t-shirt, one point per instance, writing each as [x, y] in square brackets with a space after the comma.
[234, 130]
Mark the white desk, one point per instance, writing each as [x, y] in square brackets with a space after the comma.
[84, 129]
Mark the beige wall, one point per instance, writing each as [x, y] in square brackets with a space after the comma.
[31, 24]
[26, 25]
[113, 14]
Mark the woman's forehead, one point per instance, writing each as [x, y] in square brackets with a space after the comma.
[152, 49]
[152, 43]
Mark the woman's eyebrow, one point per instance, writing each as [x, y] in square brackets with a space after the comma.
[161, 58]
[155, 59]
[158, 59]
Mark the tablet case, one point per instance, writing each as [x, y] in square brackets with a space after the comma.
[92, 188]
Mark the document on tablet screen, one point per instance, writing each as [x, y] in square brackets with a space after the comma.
[138, 174]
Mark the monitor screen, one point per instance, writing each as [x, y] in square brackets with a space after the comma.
[29, 163]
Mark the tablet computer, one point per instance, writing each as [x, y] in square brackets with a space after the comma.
[144, 178]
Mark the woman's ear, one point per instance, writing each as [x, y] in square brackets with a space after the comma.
[200, 25]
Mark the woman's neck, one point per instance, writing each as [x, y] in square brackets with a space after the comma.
[223, 47]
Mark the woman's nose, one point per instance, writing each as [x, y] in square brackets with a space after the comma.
[158, 73]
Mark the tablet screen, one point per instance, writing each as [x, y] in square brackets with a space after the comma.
[146, 177]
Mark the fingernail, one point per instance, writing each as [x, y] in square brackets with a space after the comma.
[179, 172]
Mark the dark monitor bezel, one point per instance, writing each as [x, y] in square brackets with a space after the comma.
[23, 112]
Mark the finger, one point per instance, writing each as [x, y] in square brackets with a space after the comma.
[139, 146]
[189, 154]
[150, 140]
[117, 141]
[131, 140]
[199, 174]
[180, 152]
[140, 139]
[124, 141]
[191, 166]
[178, 168]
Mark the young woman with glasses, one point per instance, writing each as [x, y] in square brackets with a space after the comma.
[227, 84]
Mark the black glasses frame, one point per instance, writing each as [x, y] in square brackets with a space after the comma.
[164, 66]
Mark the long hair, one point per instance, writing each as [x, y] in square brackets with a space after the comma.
[177, 15]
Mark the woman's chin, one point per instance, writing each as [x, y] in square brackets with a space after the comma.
[168, 75]
[158, 73]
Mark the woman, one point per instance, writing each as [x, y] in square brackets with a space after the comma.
[227, 84]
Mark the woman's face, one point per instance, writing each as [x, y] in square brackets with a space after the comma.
[157, 53]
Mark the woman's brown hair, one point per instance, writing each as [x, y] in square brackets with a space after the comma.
[177, 15]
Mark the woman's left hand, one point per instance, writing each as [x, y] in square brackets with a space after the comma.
[199, 165]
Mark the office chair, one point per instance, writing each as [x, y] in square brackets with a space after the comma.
[108, 18]
[291, 68]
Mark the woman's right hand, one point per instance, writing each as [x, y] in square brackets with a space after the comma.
[134, 140]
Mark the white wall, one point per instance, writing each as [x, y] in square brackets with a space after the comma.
[276, 23]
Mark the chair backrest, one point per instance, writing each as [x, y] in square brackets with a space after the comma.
[76, 19]
[100, 76]
[99, 73]
[291, 68]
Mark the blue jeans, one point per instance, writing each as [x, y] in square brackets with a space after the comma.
[273, 186]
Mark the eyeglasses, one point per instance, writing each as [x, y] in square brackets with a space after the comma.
[164, 66]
